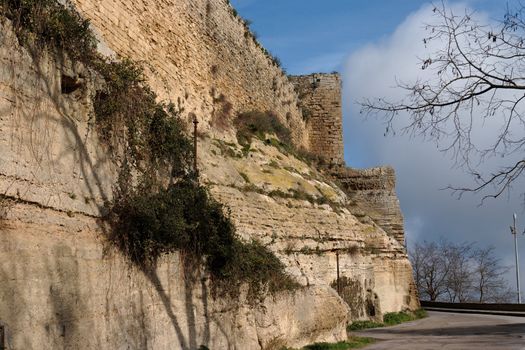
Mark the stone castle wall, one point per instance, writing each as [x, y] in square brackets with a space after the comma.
[371, 189]
[320, 96]
[200, 56]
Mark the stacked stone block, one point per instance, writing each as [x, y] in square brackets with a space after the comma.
[372, 189]
[320, 96]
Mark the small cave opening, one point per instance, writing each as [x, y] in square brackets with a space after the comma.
[370, 308]
[69, 84]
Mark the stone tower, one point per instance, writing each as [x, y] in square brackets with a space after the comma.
[320, 96]
[372, 189]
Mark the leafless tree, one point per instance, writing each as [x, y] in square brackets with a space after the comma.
[477, 81]
[487, 272]
[459, 280]
[430, 270]
[458, 272]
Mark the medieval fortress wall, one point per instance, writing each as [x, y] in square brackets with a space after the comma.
[320, 96]
[199, 55]
[373, 190]
[62, 286]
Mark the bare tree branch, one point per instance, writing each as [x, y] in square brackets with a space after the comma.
[478, 76]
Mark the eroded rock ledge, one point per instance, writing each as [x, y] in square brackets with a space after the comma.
[374, 191]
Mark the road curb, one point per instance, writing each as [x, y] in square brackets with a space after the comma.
[471, 311]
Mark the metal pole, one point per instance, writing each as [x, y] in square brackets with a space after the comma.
[195, 122]
[338, 283]
[515, 233]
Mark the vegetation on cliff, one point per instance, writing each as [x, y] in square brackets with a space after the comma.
[265, 126]
[49, 23]
[159, 206]
[389, 319]
[259, 124]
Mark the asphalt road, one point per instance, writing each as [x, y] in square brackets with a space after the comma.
[451, 331]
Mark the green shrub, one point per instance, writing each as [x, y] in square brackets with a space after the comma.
[185, 218]
[300, 194]
[50, 23]
[259, 124]
[227, 149]
[351, 343]
[420, 313]
[127, 110]
[262, 124]
[254, 264]
[359, 325]
[245, 177]
[389, 319]
[393, 318]
[150, 224]
[246, 149]
[274, 164]
[276, 61]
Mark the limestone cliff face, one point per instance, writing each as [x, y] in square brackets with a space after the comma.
[260, 189]
[61, 280]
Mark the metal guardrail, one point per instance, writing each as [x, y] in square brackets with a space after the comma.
[476, 308]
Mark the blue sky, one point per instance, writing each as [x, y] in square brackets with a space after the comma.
[373, 43]
[310, 36]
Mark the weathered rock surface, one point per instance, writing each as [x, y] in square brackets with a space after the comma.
[58, 276]
[62, 287]
[307, 235]
[373, 190]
